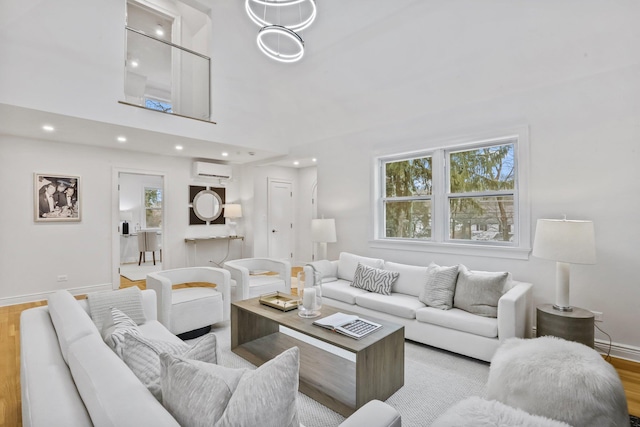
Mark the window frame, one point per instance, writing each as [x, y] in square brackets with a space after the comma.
[145, 208]
[440, 242]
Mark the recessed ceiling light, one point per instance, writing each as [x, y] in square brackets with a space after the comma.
[48, 128]
[159, 30]
[225, 154]
[122, 139]
[296, 163]
[314, 160]
[134, 63]
[179, 147]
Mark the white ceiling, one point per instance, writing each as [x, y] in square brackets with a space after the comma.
[376, 63]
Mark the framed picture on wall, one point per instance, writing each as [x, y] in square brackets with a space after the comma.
[56, 198]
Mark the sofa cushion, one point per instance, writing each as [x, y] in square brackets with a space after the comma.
[142, 355]
[111, 393]
[341, 290]
[192, 307]
[374, 279]
[115, 330]
[128, 300]
[459, 320]
[400, 305]
[348, 263]
[411, 278]
[479, 292]
[69, 319]
[201, 394]
[440, 286]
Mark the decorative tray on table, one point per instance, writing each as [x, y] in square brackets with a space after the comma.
[279, 300]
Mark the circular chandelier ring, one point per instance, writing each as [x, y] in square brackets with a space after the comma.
[280, 30]
[264, 23]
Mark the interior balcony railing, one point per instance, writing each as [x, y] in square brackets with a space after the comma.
[165, 77]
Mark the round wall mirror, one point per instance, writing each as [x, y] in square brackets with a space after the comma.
[207, 205]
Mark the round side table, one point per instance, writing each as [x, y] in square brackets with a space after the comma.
[576, 325]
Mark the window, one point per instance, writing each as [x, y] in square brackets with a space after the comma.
[464, 196]
[154, 104]
[153, 207]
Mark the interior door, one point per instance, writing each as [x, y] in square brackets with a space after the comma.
[280, 220]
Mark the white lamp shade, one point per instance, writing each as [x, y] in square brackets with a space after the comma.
[232, 210]
[323, 230]
[126, 216]
[565, 241]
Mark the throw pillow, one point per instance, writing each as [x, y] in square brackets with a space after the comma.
[374, 279]
[440, 286]
[200, 394]
[142, 355]
[128, 300]
[115, 330]
[478, 293]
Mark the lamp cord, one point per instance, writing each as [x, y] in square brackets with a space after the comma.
[608, 356]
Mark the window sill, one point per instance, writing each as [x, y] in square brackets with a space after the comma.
[507, 252]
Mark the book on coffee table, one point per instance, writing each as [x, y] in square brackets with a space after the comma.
[348, 324]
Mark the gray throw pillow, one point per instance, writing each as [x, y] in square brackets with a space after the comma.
[440, 286]
[128, 300]
[200, 394]
[114, 331]
[142, 356]
[374, 279]
[479, 292]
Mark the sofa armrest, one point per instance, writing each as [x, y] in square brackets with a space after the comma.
[163, 287]
[514, 312]
[374, 414]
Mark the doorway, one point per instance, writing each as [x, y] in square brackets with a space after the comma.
[141, 221]
[280, 219]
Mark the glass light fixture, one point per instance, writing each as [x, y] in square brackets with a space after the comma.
[276, 54]
[278, 37]
[263, 22]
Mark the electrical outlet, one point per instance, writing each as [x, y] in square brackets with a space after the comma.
[598, 316]
[63, 278]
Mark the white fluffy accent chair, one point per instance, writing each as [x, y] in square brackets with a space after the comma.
[558, 379]
[187, 309]
[248, 278]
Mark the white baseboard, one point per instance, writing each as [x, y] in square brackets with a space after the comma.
[620, 351]
[21, 299]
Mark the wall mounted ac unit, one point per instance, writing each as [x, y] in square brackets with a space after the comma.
[211, 170]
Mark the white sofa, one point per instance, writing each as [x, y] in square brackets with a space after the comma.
[69, 377]
[454, 330]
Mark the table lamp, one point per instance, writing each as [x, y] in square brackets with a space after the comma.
[323, 231]
[566, 242]
[232, 211]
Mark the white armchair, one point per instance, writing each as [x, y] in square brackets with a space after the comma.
[245, 285]
[191, 308]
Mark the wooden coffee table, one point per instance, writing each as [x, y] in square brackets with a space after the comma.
[336, 382]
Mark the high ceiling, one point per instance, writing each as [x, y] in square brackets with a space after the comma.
[376, 64]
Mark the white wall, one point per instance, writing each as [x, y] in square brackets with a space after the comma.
[32, 254]
[304, 210]
[584, 138]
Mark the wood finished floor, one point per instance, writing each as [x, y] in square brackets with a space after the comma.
[10, 413]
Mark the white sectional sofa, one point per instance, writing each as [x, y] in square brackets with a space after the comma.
[70, 377]
[454, 330]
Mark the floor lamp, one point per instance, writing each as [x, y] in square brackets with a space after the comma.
[323, 231]
[566, 242]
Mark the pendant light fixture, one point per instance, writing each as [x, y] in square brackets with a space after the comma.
[278, 36]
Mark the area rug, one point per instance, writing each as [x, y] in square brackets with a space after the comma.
[135, 272]
[434, 381]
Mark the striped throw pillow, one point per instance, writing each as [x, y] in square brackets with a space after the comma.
[374, 279]
[439, 289]
[116, 328]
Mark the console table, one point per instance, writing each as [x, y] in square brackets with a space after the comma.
[576, 325]
[195, 240]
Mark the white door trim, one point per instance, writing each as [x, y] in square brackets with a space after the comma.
[115, 218]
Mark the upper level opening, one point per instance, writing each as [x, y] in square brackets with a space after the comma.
[166, 66]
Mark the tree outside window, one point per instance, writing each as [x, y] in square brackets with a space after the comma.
[153, 207]
[464, 195]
